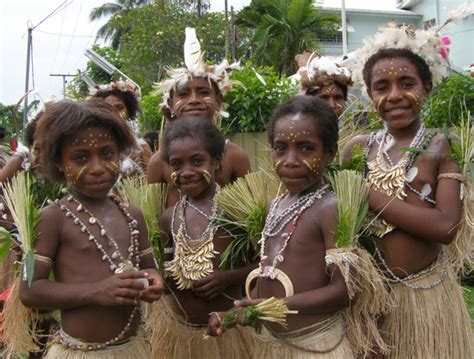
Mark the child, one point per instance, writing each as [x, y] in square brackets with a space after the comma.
[96, 245]
[193, 148]
[197, 90]
[415, 197]
[124, 96]
[324, 78]
[298, 232]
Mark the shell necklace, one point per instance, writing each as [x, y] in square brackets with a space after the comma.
[193, 257]
[273, 220]
[122, 266]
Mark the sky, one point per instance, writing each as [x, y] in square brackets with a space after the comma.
[59, 42]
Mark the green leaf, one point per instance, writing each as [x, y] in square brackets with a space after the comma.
[4, 249]
[29, 266]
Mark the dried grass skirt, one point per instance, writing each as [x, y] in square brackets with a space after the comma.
[327, 337]
[171, 337]
[429, 323]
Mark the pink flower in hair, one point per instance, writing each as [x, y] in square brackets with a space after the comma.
[444, 50]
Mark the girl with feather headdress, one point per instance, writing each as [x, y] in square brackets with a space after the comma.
[197, 90]
[422, 228]
[323, 77]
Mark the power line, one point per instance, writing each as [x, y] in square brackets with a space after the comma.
[66, 35]
[72, 37]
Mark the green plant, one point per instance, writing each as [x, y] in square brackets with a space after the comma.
[151, 117]
[448, 101]
[251, 104]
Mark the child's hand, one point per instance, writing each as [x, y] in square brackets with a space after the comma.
[155, 286]
[247, 302]
[212, 285]
[119, 289]
[214, 328]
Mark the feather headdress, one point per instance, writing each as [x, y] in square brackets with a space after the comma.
[319, 71]
[195, 67]
[119, 85]
[426, 43]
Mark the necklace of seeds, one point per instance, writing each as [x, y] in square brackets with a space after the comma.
[116, 255]
[211, 218]
[275, 223]
[304, 203]
[396, 279]
[123, 266]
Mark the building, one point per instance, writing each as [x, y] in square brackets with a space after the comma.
[362, 22]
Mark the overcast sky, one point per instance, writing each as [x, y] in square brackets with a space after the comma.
[59, 42]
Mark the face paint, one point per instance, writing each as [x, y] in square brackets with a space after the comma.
[174, 178]
[207, 176]
[112, 167]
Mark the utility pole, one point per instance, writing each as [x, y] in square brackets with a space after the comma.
[226, 31]
[233, 33]
[27, 81]
[64, 81]
[344, 28]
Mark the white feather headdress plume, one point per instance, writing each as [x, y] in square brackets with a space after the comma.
[192, 50]
[195, 67]
[426, 43]
[317, 71]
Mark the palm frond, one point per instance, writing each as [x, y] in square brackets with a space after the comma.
[21, 202]
[151, 199]
[107, 9]
[352, 205]
[245, 205]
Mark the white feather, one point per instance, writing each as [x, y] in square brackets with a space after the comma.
[192, 50]
[461, 12]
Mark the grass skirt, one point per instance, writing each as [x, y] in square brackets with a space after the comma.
[172, 337]
[136, 348]
[429, 323]
[327, 336]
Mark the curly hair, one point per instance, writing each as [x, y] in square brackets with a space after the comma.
[63, 119]
[322, 115]
[202, 129]
[127, 97]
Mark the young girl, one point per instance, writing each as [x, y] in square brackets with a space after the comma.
[298, 233]
[124, 96]
[193, 149]
[416, 195]
[96, 245]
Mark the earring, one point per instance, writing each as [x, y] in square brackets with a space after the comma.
[174, 178]
[207, 176]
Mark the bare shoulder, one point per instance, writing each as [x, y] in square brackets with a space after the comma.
[136, 213]
[440, 143]
[238, 159]
[360, 140]
[156, 168]
[235, 151]
[328, 206]
[165, 218]
[52, 214]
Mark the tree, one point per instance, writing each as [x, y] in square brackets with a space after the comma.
[284, 28]
[155, 40]
[115, 26]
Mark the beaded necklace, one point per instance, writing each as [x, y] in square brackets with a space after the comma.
[123, 265]
[273, 229]
[193, 257]
[405, 281]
